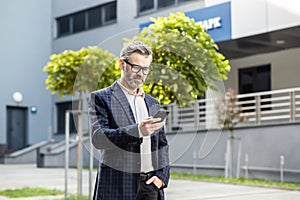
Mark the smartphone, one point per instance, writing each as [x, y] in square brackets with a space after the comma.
[161, 114]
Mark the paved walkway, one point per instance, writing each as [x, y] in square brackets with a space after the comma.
[17, 176]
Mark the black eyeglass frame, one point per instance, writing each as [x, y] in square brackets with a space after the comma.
[135, 66]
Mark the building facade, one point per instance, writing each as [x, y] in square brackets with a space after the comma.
[26, 43]
[261, 39]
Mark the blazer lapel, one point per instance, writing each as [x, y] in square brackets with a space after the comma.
[121, 98]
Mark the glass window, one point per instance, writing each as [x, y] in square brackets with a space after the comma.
[61, 117]
[146, 5]
[110, 12]
[180, 1]
[63, 25]
[164, 3]
[255, 79]
[94, 17]
[87, 19]
[79, 22]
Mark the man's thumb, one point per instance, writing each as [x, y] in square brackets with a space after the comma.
[150, 180]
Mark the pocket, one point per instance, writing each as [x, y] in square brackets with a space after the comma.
[154, 186]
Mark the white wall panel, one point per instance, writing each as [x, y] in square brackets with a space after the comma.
[283, 14]
[248, 17]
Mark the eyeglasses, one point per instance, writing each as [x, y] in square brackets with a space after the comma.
[137, 68]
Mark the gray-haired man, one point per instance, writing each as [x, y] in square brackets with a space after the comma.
[135, 161]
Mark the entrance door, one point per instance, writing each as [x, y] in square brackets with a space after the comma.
[16, 127]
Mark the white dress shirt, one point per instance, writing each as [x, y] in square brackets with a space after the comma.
[140, 112]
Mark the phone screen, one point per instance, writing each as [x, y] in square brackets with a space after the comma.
[161, 114]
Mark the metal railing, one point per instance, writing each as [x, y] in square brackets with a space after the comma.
[261, 108]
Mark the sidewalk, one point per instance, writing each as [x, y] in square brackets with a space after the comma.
[18, 176]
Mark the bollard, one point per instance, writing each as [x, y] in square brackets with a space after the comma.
[281, 168]
[194, 163]
[246, 165]
[239, 158]
[227, 160]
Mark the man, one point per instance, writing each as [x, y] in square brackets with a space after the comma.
[134, 164]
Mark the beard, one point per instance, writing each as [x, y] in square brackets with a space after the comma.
[135, 81]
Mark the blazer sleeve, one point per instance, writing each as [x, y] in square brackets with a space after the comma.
[163, 158]
[104, 131]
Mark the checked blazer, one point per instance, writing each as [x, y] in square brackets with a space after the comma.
[115, 133]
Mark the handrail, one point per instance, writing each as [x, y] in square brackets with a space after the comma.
[261, 107]
[269, 92]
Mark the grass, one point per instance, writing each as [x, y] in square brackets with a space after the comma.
[36, 191]
[29, 192]
[238, 181]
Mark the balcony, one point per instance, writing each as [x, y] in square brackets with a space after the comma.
[261, 108]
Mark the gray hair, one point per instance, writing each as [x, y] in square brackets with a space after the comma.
[135, 47]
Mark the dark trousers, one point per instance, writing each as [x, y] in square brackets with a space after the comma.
[146, 191]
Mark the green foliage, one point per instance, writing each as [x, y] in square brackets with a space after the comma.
[229, 111]
[185, 59]
[81, 71]
[29, 192]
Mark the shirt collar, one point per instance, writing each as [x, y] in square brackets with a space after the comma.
[126, 90]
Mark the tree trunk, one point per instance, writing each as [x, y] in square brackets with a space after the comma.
[79, 151]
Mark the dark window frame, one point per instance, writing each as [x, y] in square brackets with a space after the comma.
[104, 11]
[80, 23]
[254, 85]
[61, 108]
[157, 5]
[96, 22]
[87, 26]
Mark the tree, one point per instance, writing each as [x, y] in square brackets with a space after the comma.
[230, 115]
[185, 59]
[230, 111]
[80, 71]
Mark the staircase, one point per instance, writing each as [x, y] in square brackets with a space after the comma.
[25, 155]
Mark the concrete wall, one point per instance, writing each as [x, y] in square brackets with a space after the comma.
[195, 152]
[55, 157]
[25, 39]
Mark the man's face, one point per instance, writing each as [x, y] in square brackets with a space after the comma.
[134, 79]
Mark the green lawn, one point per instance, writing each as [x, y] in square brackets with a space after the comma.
[36, 191]
[29, 192]
[239, 181]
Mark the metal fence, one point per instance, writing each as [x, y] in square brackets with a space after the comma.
[261, 108]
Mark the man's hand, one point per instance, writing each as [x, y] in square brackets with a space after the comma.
[156, 181]
[149, 125]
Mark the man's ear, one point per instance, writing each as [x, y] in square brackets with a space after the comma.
[122, 64]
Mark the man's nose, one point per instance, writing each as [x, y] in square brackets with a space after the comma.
[140, 72]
